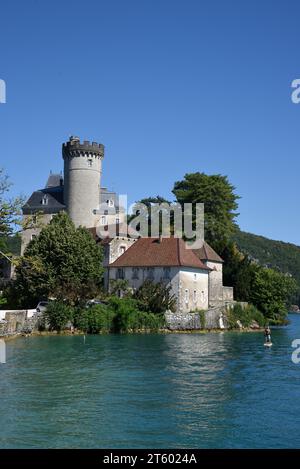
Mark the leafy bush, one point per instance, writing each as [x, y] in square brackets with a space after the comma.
[98, 318]
[125, 310]
[120, 285]
[246, 315]
[58, 314]
[119, 315]
[155, 297]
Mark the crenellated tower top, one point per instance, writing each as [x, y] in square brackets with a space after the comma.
[75, 148]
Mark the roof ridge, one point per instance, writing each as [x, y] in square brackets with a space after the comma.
[205, 249]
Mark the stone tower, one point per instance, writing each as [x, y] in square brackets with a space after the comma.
[82, 175]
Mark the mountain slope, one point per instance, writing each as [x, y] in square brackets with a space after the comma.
[270, 253]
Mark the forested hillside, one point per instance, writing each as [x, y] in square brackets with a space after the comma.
[270, 253]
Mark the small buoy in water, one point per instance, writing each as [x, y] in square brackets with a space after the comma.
[268, 344]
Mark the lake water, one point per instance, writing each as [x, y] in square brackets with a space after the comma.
[215, 390]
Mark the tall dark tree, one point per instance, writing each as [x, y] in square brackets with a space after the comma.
[220, 204]
[148, 202]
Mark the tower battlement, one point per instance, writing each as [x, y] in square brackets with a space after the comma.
[75, 148]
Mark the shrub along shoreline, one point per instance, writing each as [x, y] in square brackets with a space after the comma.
[124, 315]
[118, 315]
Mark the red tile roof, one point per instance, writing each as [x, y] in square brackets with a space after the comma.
[151, 252]
[206, 253]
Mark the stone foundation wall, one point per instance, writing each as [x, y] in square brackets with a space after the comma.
[18, 322]
[214, 318]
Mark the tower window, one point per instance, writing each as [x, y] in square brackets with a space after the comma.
[90, 163]
[195, 296]
[117, 221]
[103, 220]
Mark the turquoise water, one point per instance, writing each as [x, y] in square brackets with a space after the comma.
[218, 390]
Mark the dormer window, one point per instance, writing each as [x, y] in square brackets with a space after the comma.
[45, 200]
[122, 249]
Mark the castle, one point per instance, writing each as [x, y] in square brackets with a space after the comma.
[195, 276]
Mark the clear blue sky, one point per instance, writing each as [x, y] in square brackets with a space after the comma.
[168, 86]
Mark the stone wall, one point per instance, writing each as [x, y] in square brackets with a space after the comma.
[18, 322]
[227, 294]
[27, 234]
[215, 283]
[214, 318]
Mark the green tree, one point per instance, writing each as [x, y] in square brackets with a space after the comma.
[155, 297]
[10, 210]
[57, 315]
[238, 271]
[148, 202]
[62, 262]
[119, 285]
[95, 319]
[271, 293]
[220, 204]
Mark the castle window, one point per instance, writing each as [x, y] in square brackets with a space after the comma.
[105, 212]
[135, 273]
[117, 221]
[167, 273]
[110, 203]
[90, 163]
[150, 273]
[202, 296]
[186, 295]
[120, 274]
[195, 277]
[45, 200]
[103, 220]
[195, 296]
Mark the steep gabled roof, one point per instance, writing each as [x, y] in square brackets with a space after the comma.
[153, 252]
[54, 180]
[54, 204]
[206, 253]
